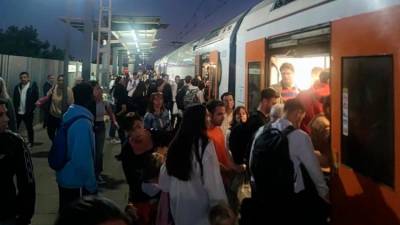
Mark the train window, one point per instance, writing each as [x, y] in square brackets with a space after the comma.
[254, 88]
[280, 3]
[368, 116]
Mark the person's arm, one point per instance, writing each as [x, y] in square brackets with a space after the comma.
[305, 152]
[26, 185]
[82, 152]
[12, 124]
[111, 114]
[212, 176]
[70, 97]
[35, 94]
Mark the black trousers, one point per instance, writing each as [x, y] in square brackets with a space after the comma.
[53, 123]
[27, 118]
[68, 195]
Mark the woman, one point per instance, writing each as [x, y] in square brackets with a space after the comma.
[12, 123]
[191, 173]
[102, 107]
[157, 117]
[235, 134]
[136, 155]
[57, 106]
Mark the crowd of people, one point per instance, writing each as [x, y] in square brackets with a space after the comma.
[187, 159]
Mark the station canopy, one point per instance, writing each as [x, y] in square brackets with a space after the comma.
[135, 34]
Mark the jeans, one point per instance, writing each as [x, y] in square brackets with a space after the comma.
[100, 135]
[69, 195]
[27, 118]
[53, 123]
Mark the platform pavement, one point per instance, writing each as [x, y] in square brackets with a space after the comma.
[46, 186]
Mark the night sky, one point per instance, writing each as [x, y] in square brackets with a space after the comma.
[187, 19]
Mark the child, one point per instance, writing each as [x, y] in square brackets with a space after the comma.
[221, 214]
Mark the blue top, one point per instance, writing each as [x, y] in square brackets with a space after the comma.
[157, 122]
[79, 171]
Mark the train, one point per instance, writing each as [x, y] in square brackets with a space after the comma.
[358, 41]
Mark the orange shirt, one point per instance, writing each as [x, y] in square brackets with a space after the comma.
[217, 136]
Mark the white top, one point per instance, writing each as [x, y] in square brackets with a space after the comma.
[174, 89]
[190, 201]
[131, 87]
[226, 124]
[111, 84]
[301, 150]
[22, 102]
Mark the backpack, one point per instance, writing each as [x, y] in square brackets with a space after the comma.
[271, 166]
[190, 97]
[180, 96]
[58, 154]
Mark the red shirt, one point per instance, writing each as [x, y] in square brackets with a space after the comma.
[217, 136]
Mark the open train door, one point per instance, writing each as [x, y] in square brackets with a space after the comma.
[366, 118]
[255, 72]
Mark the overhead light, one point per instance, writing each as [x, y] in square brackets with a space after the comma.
[134, 35]
[115, 34]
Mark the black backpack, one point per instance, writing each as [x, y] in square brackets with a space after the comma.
[271, 165]
[180, 97]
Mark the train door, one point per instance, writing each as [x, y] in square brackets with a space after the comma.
[307, 50]
[255, 72]
[366, 119]
[210, 72]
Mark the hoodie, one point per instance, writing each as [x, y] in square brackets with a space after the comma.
[79, 171]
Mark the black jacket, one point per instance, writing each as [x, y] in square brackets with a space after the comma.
[32, 95]
[15, 160]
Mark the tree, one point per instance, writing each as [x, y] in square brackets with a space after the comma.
[25, 42]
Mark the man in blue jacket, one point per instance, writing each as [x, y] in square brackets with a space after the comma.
[77, 178]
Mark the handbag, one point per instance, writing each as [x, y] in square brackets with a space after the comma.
[41, 102]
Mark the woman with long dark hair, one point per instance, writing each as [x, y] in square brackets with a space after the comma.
[191, 173]
[158, 116]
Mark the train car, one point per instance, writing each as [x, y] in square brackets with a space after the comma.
[179, 62]
[359, 42]
[215, 58]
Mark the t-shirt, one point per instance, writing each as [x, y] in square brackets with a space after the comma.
[217, 136]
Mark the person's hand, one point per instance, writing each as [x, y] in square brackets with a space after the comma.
[131, 211]
[116, 124]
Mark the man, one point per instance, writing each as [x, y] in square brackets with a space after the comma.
[136, 94]
[48, 84]
[166, 89]
[216, 110]
[229, 102]
[228, 168]
[77, 178]
[269, 97]
[26, 93]
[16, 207]
[307, 171]
[286, 87]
